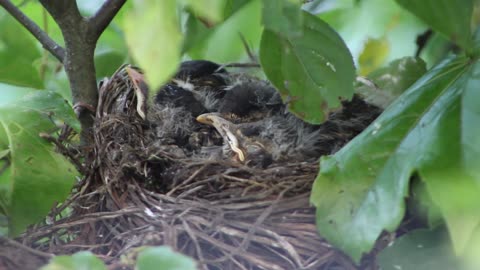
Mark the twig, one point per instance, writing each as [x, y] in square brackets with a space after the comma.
[104, 16]
[47, 43]
[29, 249]
[44, 63]
[65, 152]
[243, 65]
[249, 51]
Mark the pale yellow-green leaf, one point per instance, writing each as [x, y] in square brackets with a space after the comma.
[153, 36]
[211, 10]
[374, 55]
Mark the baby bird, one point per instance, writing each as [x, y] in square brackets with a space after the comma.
[246, 149]
[247, 118]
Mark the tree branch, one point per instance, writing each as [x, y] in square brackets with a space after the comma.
[103, 17]
[62, 10]
[79, 61]
[47, 43]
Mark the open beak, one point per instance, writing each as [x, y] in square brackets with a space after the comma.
[226, 130]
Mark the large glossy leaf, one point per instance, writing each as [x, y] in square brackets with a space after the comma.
[456, 189]
[18, 51]
[36, 177]
[163, 258]
[311, 71]
[360, 191]
[451, 18]
[153, 36]
[79, 261]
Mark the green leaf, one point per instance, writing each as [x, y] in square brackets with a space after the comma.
[107, 62]
[58, 82]
[212, 10]
[310, 77]
[360, 191]
[392, 80]
[48, 104]
[451, 18]
[18, 51]
[163, 258]
[376, 19]
[10, 93]
[457, 196]
[373, 55]
[223, 44]
[83, 260]
[36, 177]
[455, 189]
[232, 6]
[154, 39]
[420, 250]
[195, 33]
[321, 6]
[283, 17]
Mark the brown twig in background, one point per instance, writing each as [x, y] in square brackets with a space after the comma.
[27, 248]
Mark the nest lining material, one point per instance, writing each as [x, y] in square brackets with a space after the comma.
[139, 191]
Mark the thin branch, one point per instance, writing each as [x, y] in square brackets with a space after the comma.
[26, 248]
[47, 43]
[104, 16]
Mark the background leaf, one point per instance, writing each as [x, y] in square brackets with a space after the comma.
[392, 80]
[232, 6]
[310, 77]
[155, 49]
[282, 17]
[451, 18]
[163, 258]
[377, 19]
[422, 249]
[223, 44]
[212, 10]
[79, 261]
[321, 6]
[36, 176]
[18, 51]
[107, 62]
[10, 93]
[360, 190]
[373, 55]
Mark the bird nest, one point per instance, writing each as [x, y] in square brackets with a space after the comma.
[140, 190]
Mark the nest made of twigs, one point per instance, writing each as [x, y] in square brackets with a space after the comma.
[224, 214]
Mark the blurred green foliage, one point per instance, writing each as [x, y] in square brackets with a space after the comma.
[430, 127]
[148, 258]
